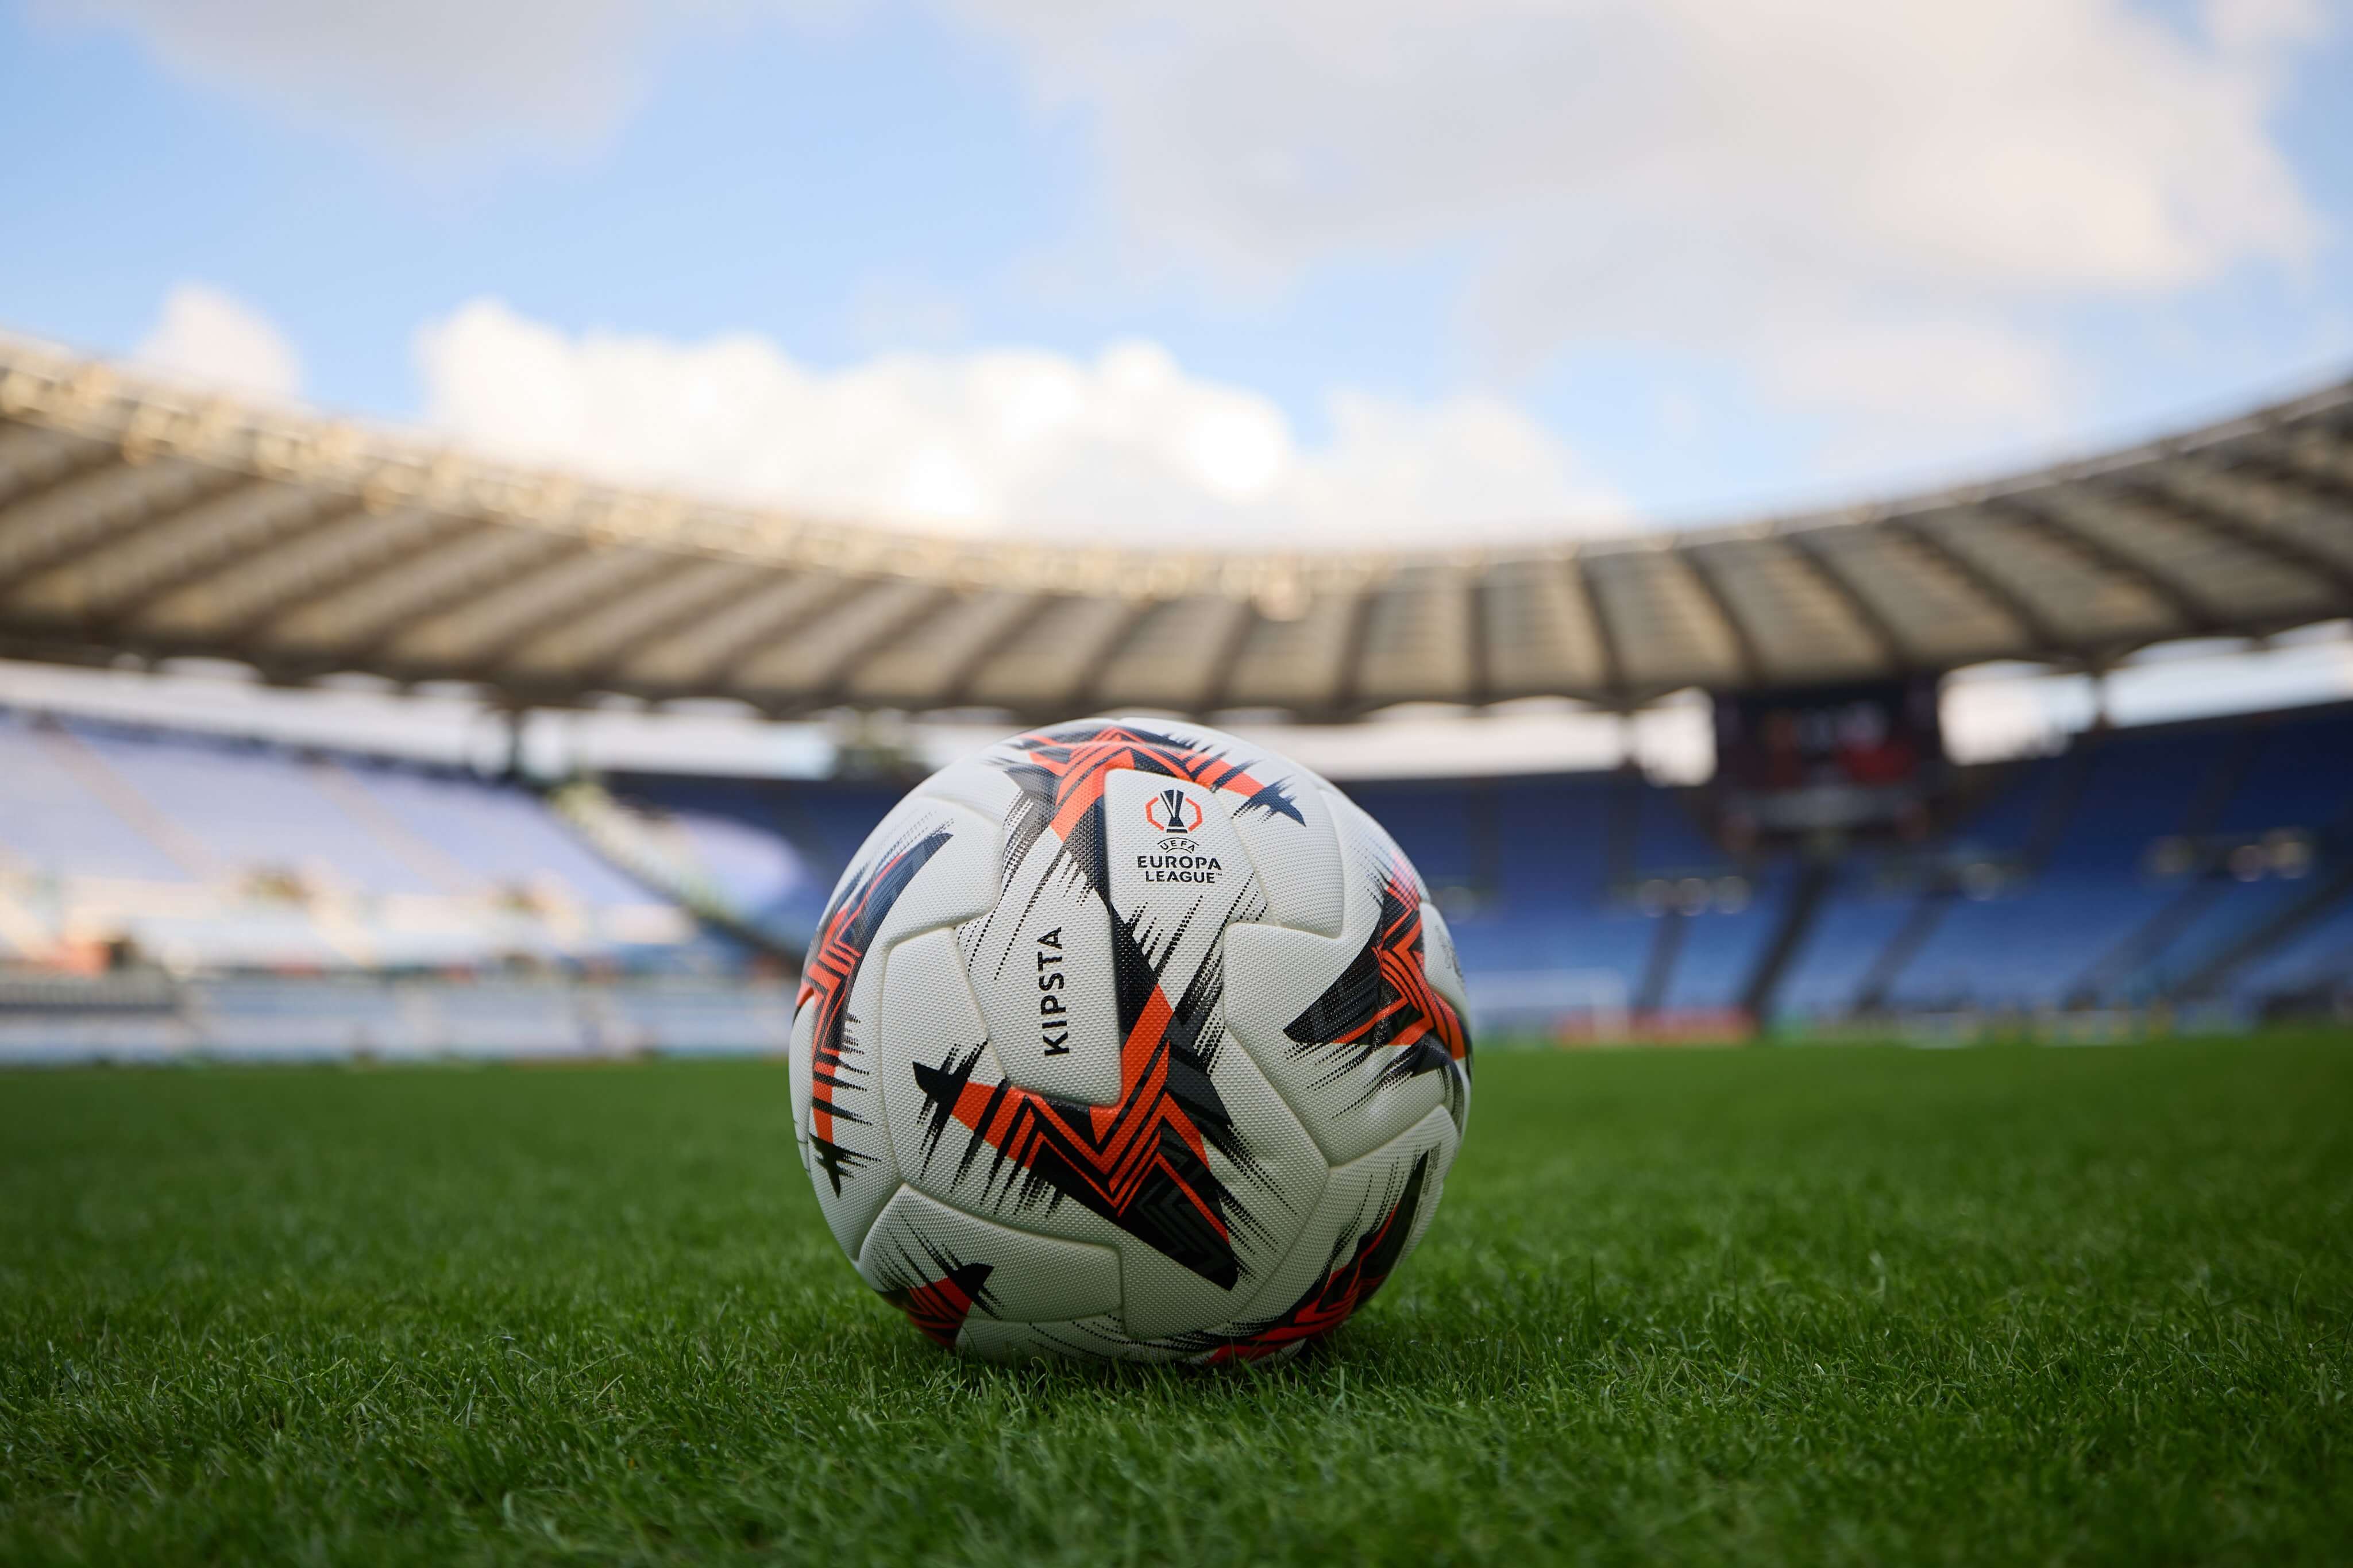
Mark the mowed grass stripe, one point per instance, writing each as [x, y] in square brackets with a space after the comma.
[1828, 1305]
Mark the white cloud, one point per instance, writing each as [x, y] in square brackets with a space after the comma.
[1981, 383]
[2002, 144]
[205, 337]
[1816, 193]
[2035, 142]
[437, 75]
[2252, 26]
[1128, 446]
[428, 69]
[897, 312]
[1697, 174]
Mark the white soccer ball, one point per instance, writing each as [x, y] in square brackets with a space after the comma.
[1126, 1038]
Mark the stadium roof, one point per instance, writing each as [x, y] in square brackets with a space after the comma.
[141, 518]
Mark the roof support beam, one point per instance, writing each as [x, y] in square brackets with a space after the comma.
[2028, 619]
[2186, 604]
[1832, 577]
[1605, 636]
[723, 665]
[966, 625]
[606, 668]
[1743, 638]
[1342, 702]
[527, 629]
[263, 619]
[379, 644]
[34, 459]
[686, 661]
[109, 505]
[379, 622]
[957, 692]
[1478, 624]
[1088, 693]
[2315, 471]
[835, 693]
[1229, 657]
[119, 618]
[2283, 548]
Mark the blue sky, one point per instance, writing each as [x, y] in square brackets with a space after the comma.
[1289, 272]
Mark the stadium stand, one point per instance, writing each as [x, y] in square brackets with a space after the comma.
[209, 855]
[2140, 858]
[2115, 874]
[255, 1017]
[180, 882]
[164, 893]
[236, 897]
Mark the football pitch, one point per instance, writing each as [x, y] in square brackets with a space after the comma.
[1816, 1304]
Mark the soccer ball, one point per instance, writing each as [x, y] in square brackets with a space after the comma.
[1124, 1038]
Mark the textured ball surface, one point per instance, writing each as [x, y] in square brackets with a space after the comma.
[1127, 1038]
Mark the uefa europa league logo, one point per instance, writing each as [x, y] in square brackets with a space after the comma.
[1174, 812]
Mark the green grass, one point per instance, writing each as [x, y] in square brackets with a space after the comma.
[1826, 1305]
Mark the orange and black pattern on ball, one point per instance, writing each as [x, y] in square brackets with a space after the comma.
[1348, 1286]
[1061, 770]
[939, 1307]
[1384, 1001]
[843, 936]
[1141, 1164]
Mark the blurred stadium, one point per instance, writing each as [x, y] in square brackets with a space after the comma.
[167, 893]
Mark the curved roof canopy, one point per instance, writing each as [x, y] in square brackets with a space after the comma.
[139, 518]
